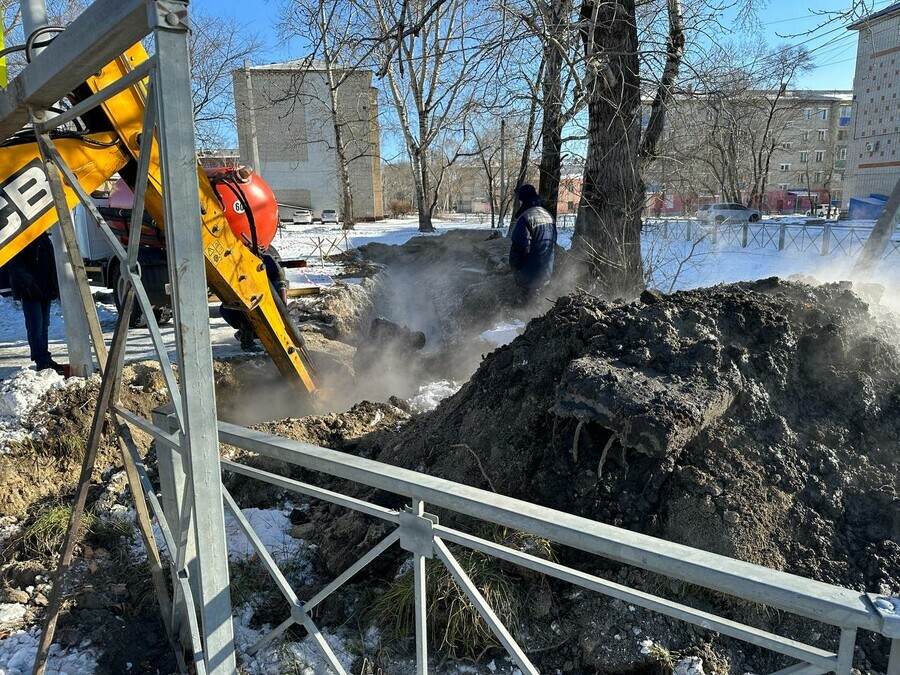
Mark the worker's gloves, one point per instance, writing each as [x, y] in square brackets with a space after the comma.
[32, 292]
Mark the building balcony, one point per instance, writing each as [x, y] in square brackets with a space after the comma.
[844, 122]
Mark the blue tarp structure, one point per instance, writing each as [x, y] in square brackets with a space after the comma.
[868, 208]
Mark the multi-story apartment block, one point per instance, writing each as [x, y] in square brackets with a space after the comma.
[873, 164]
[284, 116]
[781, 151]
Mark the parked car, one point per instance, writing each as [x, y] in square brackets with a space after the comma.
[302, 217]
[825, 211]
[329, 216]
[727, 212]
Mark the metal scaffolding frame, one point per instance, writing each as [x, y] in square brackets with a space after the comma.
[190, 508]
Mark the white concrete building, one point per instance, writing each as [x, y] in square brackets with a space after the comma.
[288, 103]
[873, 161]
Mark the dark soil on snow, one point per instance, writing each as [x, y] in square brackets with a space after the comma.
[756, 420]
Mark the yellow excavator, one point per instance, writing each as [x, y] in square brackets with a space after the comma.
[107, 141]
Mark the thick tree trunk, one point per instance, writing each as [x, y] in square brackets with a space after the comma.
[608, 226]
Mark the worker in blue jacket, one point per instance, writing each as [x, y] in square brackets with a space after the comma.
[533, 243]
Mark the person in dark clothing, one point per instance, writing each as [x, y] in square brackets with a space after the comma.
[533, 243]
[238, 319]
[32, 276]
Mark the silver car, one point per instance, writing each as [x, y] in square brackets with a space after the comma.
[727, 212]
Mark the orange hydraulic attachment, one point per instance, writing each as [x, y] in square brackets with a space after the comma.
[249, 204]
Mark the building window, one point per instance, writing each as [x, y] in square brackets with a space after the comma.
[807, 113]
[785, 167]
[804, 156]
[823, 114]
[839, 176]
[822, 133]
[845, 110]
[782, 186]
[820, 155]
[786, 145]
[818, 177]
[842, 135]
[801, 178]
[842, 153]
[806, 135]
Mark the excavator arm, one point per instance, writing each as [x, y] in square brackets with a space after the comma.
[112, 145]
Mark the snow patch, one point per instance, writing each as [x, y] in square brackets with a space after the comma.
[273, 528]
[18, 650]
[19, 395]
[429, 395]
[503, 333]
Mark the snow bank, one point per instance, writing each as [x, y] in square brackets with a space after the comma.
[429, 395]
[17, 654]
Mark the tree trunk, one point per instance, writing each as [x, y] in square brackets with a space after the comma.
[608, 226]
[552, 124]
[871, 252]
[423, 203]
[526, 154]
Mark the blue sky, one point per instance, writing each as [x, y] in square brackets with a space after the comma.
[782, 21]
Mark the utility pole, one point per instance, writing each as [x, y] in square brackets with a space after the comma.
[251, 111]
[81, 363]
[502, 172]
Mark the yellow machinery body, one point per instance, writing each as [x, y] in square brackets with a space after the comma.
[233, 272]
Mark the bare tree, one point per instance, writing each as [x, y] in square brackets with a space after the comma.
[335, 53]
[431, 73]
[219, 45]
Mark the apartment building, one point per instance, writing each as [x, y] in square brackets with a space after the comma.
[785, 151]
[873, 164]
[284, 115]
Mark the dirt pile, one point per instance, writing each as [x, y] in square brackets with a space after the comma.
[756, 420]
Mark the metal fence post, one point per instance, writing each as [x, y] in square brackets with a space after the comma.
[715, 233]
[894, 659]
[782, 235]
[688, 231]
[665, 229]
[200, 442]
[826, 238]
[745, 232]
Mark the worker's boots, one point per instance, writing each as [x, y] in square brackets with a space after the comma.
[247, 340]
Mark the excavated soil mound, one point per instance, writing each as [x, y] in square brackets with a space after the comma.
[757, 420]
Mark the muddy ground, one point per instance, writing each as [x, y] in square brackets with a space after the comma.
[755, 420]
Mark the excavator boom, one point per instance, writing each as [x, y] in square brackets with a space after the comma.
[112, 144]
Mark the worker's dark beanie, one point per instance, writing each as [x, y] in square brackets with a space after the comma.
[527, 194]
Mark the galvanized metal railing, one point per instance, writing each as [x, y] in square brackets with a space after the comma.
[829, 238]
[420, 533]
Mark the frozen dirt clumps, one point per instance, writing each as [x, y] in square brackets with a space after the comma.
[757, 420]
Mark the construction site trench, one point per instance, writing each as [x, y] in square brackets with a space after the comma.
[757, 420]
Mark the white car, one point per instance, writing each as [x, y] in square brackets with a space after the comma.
[302, 217]
[329, 216]
[727, 212]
